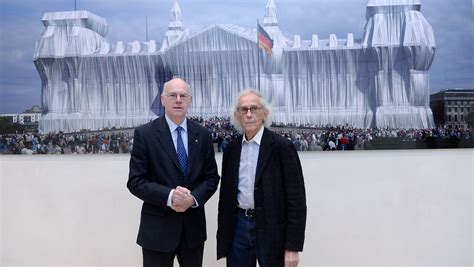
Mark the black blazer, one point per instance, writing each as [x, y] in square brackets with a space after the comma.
[279, 195]
[154, 171]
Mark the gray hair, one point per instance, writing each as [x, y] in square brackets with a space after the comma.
[233, 114]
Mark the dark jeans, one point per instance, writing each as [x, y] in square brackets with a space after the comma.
[245, 250]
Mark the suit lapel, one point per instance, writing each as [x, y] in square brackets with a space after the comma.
[234, 160]
[165, 140]
[266, 148]
[193, 143]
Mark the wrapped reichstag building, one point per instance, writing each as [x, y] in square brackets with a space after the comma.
[379, 79]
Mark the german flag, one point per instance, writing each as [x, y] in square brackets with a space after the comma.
[264, 40]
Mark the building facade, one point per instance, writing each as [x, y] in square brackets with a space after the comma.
[452, 106]
[27, 117]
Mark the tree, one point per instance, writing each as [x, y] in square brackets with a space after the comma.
[8, 127]
[470, 119]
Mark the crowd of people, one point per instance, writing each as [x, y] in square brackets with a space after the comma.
[61, 143]
[310, 137]
[304, 137]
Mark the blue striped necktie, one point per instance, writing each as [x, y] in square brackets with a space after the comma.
[181, 152]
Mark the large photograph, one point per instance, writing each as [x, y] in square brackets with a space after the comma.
[77, 77]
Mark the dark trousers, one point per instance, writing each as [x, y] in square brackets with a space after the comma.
[187, 257]
[245, 250]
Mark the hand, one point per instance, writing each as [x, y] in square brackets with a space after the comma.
[181, 199]
[292, 258]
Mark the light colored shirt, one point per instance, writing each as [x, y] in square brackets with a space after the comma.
[248, 169]
[174, 136]
[174, 133]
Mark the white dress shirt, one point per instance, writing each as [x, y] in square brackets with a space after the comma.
[174, 133]
[248, 169]
[174, 136]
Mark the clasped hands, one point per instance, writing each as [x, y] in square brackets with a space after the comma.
[181, 199]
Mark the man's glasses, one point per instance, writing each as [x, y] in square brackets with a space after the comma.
[174, 96]
[244, 110]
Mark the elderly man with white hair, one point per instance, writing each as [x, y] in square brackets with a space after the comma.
[262, 203]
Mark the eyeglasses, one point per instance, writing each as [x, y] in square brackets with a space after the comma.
[244, 110]
[174, 96]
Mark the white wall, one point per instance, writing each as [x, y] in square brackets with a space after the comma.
[364, 208]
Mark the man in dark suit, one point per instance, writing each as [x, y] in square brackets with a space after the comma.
[262, 203]
[174, 172]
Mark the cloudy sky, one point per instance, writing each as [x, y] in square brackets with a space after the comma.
[21, 27]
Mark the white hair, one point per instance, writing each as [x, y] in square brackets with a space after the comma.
[233, 113]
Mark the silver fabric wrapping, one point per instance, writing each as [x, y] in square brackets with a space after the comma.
[380, 80]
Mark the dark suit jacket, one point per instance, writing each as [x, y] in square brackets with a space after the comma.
[279, 195]
[154, 171]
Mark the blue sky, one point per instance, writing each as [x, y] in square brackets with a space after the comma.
[21, 27]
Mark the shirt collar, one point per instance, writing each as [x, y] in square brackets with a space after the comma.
[173, 125]
[257, 138]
